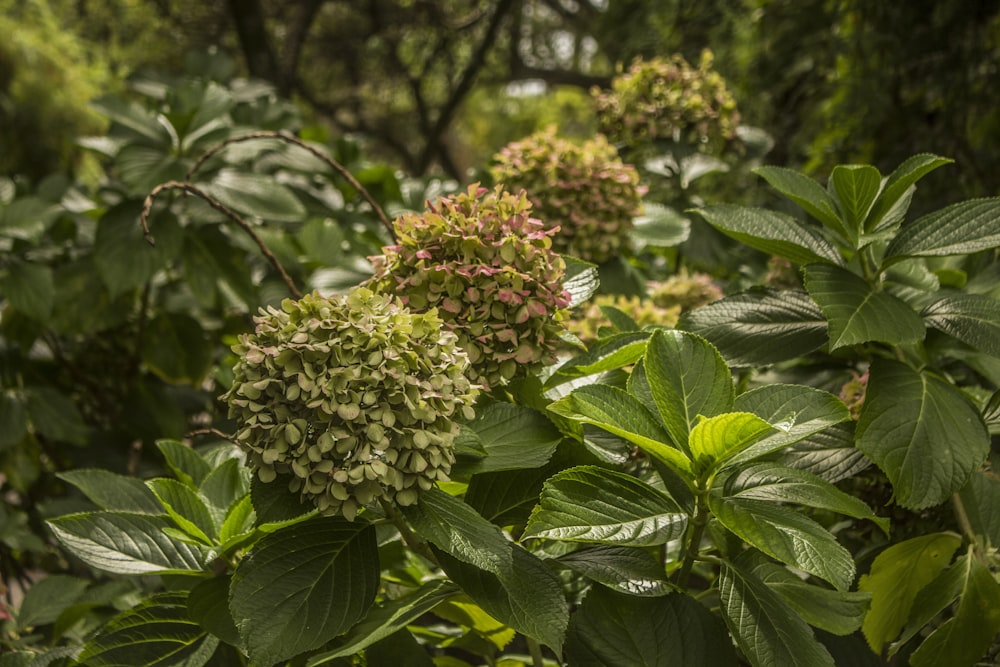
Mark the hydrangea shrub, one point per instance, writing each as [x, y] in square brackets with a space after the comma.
[583, 189]
[487, 266]
[588, 321]
[352, 397]
[668, 99]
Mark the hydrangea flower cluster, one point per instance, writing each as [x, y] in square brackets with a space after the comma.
[585, 190]
[686, 290]
[351, 397]
[588, 321]
[488, 268]
[668, 99]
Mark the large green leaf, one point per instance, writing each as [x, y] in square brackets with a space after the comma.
[958, 229]
[303, 585]
[966, 637]
[627, 570]
[717, 439]
[123, 258]
[837, 612]
[796, 412]
[506, 497]
[591, 504]
[829, 454]
[126, 543]
[47, 598]
[660, 226]
[922, 432]
[974, 319]
[187, 508]
[258, 195]
[856, 187]
[981, 499]
[137, 119]
[805, 192]
[175, 348]
[513, 437]
[771, 232]
[186, 464]
[581, 280]
[615, 630]
[859, 313]
[386, 619]
[777, 484]
[110, 491]
[504, 579]
[622, 414]
[54, 415]
[30, 289]
[607, 354]
[931, 601]
[900, 182]
[13, 418]
[156, 633]
[786, 535]
[27, 218]
[895, 578]
[208, 604]
[760, 327]
[688, 379]
[767, 631]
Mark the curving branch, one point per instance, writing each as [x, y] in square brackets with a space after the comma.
[190, 188]
[292, 139]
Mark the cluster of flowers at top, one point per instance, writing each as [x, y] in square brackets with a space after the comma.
[668, 99]
[585, 190]
[488, 267]
[350, 398]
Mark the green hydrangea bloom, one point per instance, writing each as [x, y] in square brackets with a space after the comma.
[584, 190]
[488, 268]
[589, 320]
[668, 99]
[353, 398]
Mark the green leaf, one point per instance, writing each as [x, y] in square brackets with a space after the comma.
[829, 454]
[176, 349]
[509, 583]
[275, 505]
[777, 484]
[82, 304]
[303, 585]
[660, 226]
[156, 633]
[126, 543]
[622, 414]
[923, 433]
[138, 120]
[607, 354]
[227, 483]
[856, 187]
[805, 192]
[386, 619]
[187, 508]
[624, 569]
[933, 599]
[110, 491]
[895, 578]
[591, 504]
[717, 439]
[771, 232]
[13, 418]
[787, 536]
[123, 258]
[959, 229]
[973, 319]
[238, 523]
[30, 289]
[581, 280]
[47, 598]
[767, 631]
[760, 327]
[259, 195]
[28, 218]
[615, 630]
[899, 183]
[967, 636]
[506, 497]
[837, 612]
[513, 436]
[208, 605]
[55, 416]
[186, 464]
[981, 499]
[795, 411]
[858, 313]
[688, 379]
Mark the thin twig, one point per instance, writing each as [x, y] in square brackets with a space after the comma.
[292, 139]
[190, 188]
[209, 431]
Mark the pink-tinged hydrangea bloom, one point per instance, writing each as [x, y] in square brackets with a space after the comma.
[351, 399]
[668, 99]
[487, 266]
[585, 191]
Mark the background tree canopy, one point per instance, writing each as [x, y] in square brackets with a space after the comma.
[427, 84]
